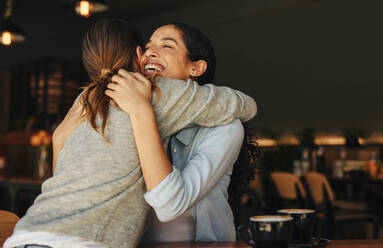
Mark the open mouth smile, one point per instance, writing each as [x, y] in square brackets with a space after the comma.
[150, 68]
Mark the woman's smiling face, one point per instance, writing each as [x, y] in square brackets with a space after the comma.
[166, 54]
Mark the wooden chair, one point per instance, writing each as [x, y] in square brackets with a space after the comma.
[290, 190]
[8, 221]
[331, 215]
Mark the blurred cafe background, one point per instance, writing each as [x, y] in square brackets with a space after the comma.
[313, 66]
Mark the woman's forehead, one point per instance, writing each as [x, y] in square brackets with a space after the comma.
[167, 31]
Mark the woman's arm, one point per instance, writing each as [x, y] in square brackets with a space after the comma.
[181, 103]
[131, 94]
[213, 155]
[134, 97]
[154, 162]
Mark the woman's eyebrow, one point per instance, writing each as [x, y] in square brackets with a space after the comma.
[168, 38]
[163, 39]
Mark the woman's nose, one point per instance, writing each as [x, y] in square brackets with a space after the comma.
[151, 52]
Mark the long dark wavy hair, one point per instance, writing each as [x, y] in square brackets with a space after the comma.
[109, 45]
[198, 47]
[243, 172]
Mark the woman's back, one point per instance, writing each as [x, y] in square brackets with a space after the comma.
[97, 188]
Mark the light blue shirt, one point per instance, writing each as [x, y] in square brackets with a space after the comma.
[203, 161]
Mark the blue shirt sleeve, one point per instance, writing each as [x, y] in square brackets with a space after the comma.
[212, 157]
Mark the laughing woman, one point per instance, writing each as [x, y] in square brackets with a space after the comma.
[189, 192]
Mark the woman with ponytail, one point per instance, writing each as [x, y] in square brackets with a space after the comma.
[96, 196]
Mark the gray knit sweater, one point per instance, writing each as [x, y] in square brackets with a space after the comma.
[96, 192]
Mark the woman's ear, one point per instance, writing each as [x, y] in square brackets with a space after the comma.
[198, 68]
[139, 53]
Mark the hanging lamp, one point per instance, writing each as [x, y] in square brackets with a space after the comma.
[86, 8]
[10, 32]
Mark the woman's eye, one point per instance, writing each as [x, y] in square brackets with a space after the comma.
[167, 46]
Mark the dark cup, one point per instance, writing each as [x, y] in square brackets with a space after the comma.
[303, 224]
[267, 231]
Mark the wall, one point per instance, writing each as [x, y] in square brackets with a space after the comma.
[314, 63]
[4, 99]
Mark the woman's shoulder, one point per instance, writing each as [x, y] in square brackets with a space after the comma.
[173, 83]
[232, 130]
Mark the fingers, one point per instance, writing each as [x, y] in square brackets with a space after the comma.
[117, 78]
[126, 74]
[123, 73]
[109, 93]
[142, 78]
[112, 90]
[112, 86]
[128, 80]
[124, 77]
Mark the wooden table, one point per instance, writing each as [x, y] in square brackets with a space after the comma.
[361, 243]
[196, 245]
[358, 243]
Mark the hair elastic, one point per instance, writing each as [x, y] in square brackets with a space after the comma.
[105, 72]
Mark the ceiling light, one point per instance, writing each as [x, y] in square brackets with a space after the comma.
[86, 8]
[10, 32]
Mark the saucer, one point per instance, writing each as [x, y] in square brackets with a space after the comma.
[314, 242]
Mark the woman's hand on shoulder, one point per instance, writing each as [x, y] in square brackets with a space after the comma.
[130, 90]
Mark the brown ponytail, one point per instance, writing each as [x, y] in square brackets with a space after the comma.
[108, 46]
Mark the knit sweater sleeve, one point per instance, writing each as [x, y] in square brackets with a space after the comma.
[180, 103]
